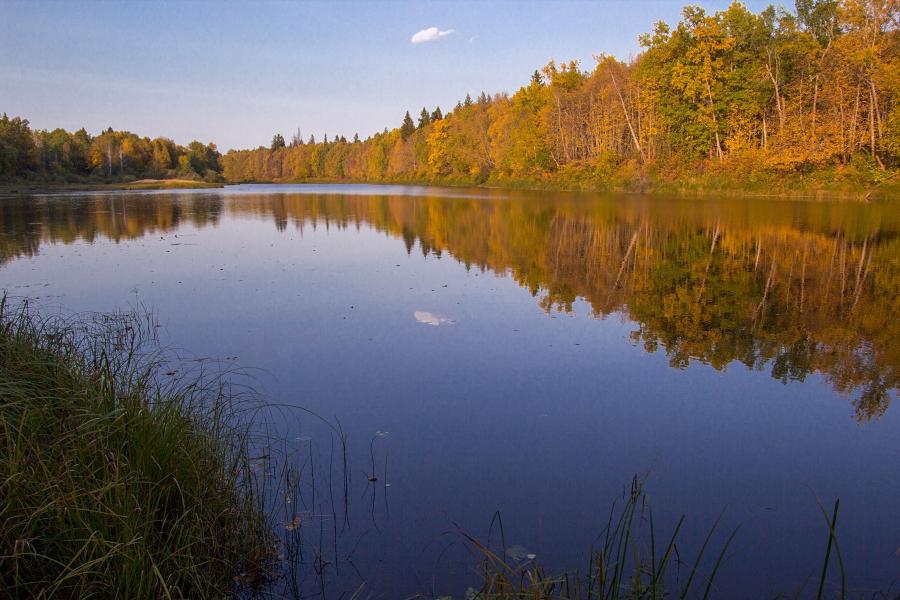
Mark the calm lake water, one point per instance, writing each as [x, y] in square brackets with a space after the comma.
[527, 354]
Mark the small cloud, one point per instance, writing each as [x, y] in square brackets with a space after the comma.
[430, 34]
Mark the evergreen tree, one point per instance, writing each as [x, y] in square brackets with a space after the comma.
[277, 142]
[424, 118]
[408, 127]
[436, 115]
[468, 100]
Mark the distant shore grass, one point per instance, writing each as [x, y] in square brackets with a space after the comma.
[699, 187]
[167, 184]
[38, 187]
[113, 484]
[789, 189]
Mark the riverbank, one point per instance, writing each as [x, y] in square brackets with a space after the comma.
[114, 484]
[702, 184]
[28, 187]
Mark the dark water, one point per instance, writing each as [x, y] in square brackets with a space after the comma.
[527, 354]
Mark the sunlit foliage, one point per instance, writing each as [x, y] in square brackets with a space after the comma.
[733, 94]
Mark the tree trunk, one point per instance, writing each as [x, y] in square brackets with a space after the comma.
[854, 121]
[815, 102]
[843, 136]
[712, 108]
[627, 118]
[872, 109]
[773, 76]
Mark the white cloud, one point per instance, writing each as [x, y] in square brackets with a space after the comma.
[429, 35]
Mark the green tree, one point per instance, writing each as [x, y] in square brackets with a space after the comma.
[424, 118]
[408, 126]
[185, 168]
[16, 146]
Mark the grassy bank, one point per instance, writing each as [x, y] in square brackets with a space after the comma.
[112, 483]
[39, 187]
[729, 180]
[168, 184]
[732, 179]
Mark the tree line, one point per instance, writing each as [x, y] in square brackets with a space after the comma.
[734, 96]
[63, 156]
[731, 94]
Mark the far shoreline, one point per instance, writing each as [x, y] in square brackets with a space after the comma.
[26, 188]
[863, 194]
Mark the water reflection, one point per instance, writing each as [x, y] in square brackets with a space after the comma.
[429, 318]
[789, 288]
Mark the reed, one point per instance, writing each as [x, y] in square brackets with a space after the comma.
[628, 562]
[118, 479]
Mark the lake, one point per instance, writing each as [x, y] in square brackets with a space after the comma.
[524, 354]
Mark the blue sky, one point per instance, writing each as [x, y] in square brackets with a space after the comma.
[235, 73]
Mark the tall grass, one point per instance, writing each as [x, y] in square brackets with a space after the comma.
[630, 560]
[116, 479]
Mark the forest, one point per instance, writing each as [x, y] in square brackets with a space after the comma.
[776, 100]
[64, 157]
[806, 96]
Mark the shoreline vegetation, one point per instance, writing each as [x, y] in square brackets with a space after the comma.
[779, 102]
[140, 184]
[797, 190]
[115, 482]
[632, 559]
